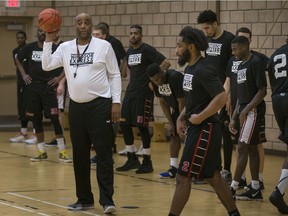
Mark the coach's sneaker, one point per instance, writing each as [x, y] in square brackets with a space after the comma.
[250, 194]
[80, 206]
[109, 209]
[63, 157]
[276, 198]
[146, 166]
[171, 173]
[31, 140]
[131, 163]
[40, 157]
[19, 138]
[226, 176]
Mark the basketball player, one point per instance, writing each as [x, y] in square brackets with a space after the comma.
[277, 69]
[168, 88]
[250, 109]
[61, 95]
[138, 100]
[232, 79]
[42, 96]
[94, 85]
[21, 38]
[219, 53]
[204, 96]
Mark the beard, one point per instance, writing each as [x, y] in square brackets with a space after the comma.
[184, 58]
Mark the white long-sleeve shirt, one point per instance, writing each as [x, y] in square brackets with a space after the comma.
[95, 75]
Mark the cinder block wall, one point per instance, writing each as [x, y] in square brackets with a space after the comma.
[163, 20]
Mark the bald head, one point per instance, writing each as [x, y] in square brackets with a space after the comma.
[83, 27]
[83, 16]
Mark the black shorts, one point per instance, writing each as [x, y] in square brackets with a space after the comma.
[137, 111]
[253, 129]
[202, 151]
[175, 114]
[280, 108]
[42, 97]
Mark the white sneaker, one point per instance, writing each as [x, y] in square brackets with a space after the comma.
[19, 138]
[124, 151]
[31, 140]
[109, 209]
[140, 151]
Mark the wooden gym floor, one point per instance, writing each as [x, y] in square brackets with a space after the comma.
[45, 188]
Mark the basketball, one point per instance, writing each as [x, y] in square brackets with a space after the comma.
[49, 20]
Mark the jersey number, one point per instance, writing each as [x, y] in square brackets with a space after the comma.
[278, 72]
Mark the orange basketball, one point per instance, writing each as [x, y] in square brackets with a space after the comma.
[49, 20]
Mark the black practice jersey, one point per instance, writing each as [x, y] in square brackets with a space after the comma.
[20, 80]
[219, 52]
[201, 84]
[250, 79]
[277, 68]
[171, 89]
[138, 60]
[232, 69]
[33, 55]
[117, 47]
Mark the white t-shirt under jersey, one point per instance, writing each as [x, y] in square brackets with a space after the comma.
[97, 73]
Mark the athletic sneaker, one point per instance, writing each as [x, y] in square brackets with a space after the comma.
[63, 157]
[276, 198]
[198, 181]
[40, 157]
[19, 138]
[226, 176]
[250, 194]
[31, 140]
[52, 143]
[171, 173]
[242, 183]
[80, 206]
[109, 209]
[131, 163]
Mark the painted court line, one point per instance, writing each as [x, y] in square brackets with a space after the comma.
[23, 209]
[49, 203]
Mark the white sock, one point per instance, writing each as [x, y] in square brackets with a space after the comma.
[23, 131]
[255, 184]
[130, 148]
[235, 185]
[283, 181]
[261, 176]
[61, 144]
[41, 146]
[147, 151]
[174, 162]
[34, 131]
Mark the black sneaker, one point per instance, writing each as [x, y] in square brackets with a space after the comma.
[131, 163]
[276, 198]
[242, 183]
[51, 143]
[146, 166]
[250, 194]
[80, 206]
